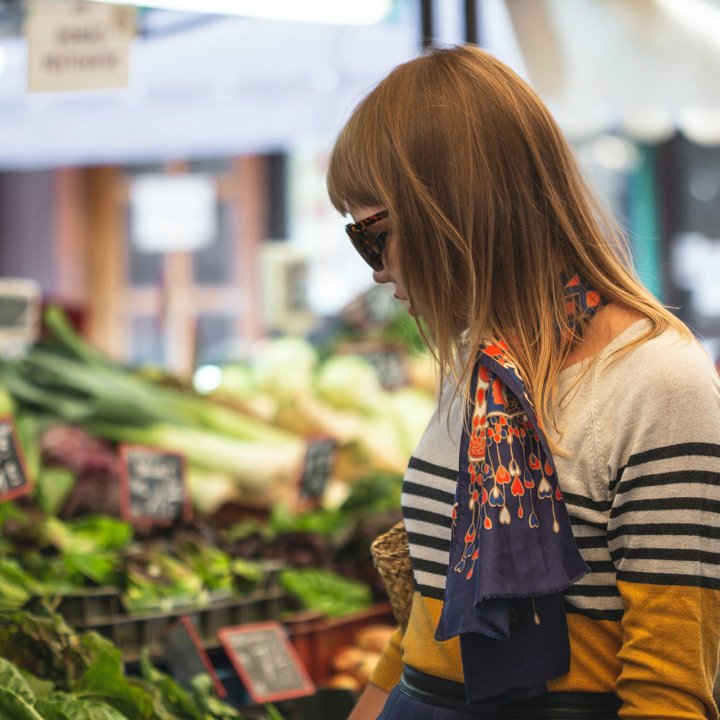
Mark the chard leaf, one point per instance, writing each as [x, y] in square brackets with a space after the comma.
[53, 486]
[104, 681]
[73, 709]
[12, 681]
[97, 566]
[204, 693]
[40, 688]
[170, 694]
[13, 707]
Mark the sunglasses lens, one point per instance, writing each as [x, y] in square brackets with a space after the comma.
[370, 247]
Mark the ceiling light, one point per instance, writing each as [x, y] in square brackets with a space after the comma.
[330, 12]
[700, 17]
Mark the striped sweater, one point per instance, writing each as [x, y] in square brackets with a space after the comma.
[640, 474]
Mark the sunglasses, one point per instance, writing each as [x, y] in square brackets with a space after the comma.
[369, 244]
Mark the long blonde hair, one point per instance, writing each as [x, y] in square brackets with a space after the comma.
[489, 210]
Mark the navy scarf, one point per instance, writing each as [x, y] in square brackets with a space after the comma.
[512, 550]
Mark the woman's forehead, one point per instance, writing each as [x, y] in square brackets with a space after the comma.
[361, 212]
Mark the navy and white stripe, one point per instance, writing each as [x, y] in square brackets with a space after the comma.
[641, 489]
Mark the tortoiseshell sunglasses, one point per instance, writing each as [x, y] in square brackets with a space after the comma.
[370, 245]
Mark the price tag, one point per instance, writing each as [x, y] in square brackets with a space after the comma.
[14, 480]
[266, 662]
[152, 486]
[319, 463]
[20, 301]
[390, 367]
[185, 655]
[387, 359]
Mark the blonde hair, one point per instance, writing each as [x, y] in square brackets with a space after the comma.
[489, 211]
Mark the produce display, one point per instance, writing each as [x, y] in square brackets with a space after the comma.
[49, 672]
[326, 592]
[63, 380]
[245, 445]
[42, 556]
[289, 387]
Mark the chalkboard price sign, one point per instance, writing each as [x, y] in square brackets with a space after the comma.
[390, 367]
[319, 463]
[184, 653]
[152, 486]
[266, 662]
[14, 480]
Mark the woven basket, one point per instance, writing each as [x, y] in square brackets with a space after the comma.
[391, 555]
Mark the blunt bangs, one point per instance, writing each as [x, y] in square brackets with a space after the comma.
[356, 171]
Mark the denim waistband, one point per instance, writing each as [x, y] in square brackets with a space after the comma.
[548, 706]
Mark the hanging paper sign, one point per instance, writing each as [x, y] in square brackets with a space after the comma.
[185, 655]
[266, 662]
[20, 301]
[78, 45]
[152, 486]
[319, 463]
[14, 480]
[173, 213]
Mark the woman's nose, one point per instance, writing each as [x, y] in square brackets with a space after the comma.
[381, 276]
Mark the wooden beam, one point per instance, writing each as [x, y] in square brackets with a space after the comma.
[70, 237]
[249, 213]
[107, 319]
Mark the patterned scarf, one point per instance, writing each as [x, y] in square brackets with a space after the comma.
[512, 550]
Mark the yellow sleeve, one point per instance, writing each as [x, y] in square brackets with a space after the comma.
[389, 668]
[669, 655]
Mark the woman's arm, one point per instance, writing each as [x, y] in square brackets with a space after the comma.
[664, 540]
[370, 704]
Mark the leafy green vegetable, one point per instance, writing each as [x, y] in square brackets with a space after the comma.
[350, 381]
[89, 671]
[41, 689]
[53, 487]
[10, 511]
[28, 430]
[7, 406]
[16, 708]
[100, 567]
[74, 709]
[204, 694]
[87, 535]
[326, 591]
[322, 521]
[285, 366]
[17, 699]
[373, 493]
[174, 697]
[12, 681]
[16, 586]
[45, 646]
[272, 713]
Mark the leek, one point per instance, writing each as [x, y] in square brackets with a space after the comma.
[251, 463]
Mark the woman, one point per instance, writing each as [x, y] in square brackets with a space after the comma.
[562, 506]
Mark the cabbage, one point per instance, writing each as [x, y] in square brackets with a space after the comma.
[285, 366]
[350, 381]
